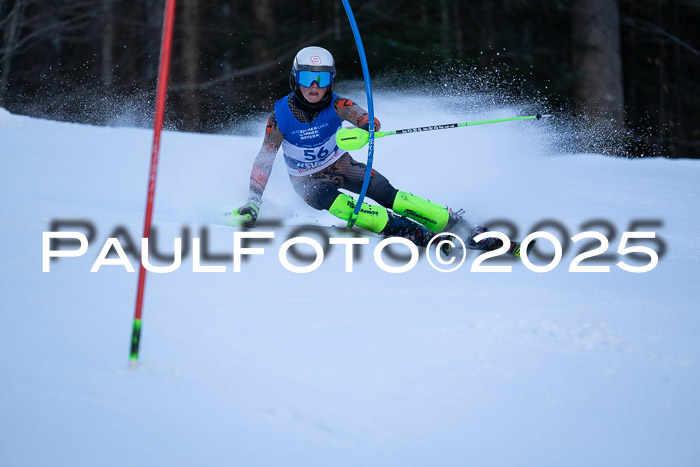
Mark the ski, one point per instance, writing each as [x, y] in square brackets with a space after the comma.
[513, 250]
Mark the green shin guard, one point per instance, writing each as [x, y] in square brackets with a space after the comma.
[431, 215]
[372, 218]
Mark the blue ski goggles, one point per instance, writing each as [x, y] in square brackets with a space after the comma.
[322, 78]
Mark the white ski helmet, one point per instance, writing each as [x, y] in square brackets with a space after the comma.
[312, 64]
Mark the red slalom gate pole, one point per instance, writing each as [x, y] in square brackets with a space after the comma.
[161, 94]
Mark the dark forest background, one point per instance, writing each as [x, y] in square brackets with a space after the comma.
[634, 64]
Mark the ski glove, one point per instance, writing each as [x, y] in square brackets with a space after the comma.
[363, 122]
[247, 214]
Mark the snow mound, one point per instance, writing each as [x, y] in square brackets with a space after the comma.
[5, 116]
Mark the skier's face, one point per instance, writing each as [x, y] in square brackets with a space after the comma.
[313, 94]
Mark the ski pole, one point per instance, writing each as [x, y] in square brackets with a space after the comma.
[350, 139]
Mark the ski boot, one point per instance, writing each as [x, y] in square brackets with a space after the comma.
[399, 226]
[488, 244]
[420, 235]
[464, 229]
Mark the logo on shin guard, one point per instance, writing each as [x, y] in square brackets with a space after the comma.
[351, 204]
[414, 215]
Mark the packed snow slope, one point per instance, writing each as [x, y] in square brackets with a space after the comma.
[270, 367]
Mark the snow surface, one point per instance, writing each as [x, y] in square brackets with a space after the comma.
[269, 367]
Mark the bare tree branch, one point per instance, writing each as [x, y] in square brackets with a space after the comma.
[646, 26]
[286, 56]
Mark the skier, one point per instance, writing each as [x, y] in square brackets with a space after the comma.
[304, 124]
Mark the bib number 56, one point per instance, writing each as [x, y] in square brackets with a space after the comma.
[310, 156]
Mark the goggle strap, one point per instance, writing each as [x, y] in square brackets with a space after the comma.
[329, 68]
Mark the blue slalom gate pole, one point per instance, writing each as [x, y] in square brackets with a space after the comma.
[370, 109]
